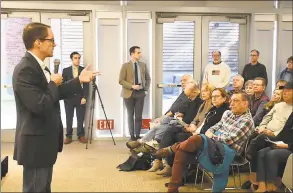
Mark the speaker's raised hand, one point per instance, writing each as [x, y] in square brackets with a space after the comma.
[87, 75]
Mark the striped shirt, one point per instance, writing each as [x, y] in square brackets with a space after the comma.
[234, 130]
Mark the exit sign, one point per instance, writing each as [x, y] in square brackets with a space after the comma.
[102, 124]
[146, 123]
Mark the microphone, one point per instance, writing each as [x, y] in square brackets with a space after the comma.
[56, 65]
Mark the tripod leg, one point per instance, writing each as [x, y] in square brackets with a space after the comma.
[91, 132]
[108, 125]
[90, 124]
[88, 133]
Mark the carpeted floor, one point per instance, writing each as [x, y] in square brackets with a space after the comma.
[91, 170]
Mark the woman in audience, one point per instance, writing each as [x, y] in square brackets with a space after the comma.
[220, 102]
[249, 87]
[276, 98]
[178, 134]
[271, 161]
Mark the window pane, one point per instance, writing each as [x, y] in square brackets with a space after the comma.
[178, 46]
[224, 36]
[69, 38]
[12, 50]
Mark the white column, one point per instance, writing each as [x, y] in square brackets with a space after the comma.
[138, 31]
[109, 61]
[264, 43]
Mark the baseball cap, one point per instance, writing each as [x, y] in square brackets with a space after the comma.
[289, 85]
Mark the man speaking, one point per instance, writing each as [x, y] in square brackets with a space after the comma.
[39, 129]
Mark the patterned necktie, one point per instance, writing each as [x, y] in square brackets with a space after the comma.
[46, 72]
[43, 66]
[75, 72]
[135, 74]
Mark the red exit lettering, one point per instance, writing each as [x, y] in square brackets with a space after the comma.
[102, 124]
[146, 123]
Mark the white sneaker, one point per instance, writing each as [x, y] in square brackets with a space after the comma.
[153, 143]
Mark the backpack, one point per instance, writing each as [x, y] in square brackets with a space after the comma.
[141, 161]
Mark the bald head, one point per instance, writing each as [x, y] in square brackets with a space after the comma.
[185, 79]
[191, 89]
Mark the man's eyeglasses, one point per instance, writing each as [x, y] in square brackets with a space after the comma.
[51, 40]
[253, 55]
[257, 85]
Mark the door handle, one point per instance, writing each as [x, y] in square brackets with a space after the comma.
[7, 86]
[168, 85]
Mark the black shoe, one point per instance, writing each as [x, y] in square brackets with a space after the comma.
[246, 185]
[167, 184]
[137, 137]
[132, 138]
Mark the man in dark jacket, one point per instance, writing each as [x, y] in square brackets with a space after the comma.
[258, 100]
[254, 68]
[76, 101]
[39, 130]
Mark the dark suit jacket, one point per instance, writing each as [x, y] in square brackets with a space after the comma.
[67, 75]
[180, 104]
[39, 129]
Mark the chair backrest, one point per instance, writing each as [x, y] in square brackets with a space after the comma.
[288, 176]
[243, 154]
[246, 146]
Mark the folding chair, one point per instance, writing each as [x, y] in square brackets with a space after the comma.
[238, 162]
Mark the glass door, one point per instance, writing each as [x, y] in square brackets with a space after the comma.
[179, 54]
[12, 50]
[70, 36]
[228, 35]
[185, 44]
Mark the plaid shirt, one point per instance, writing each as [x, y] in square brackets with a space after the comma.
[234, 130]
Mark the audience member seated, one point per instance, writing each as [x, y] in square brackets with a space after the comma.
[287, 73]
[270, 127]
[174, 133]
[258, 100]
[281, 83]
[276, 98]
[249, 88]
[179, 105]
[271, 160]
[216, 149]
[220, 102]
[220, 105]
[237, 84]
[185, 79]
[155, 134]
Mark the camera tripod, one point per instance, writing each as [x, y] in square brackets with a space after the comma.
[91, 118]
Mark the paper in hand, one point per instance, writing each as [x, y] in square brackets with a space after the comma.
[274, 142]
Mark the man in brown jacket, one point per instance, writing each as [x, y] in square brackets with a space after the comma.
[135, 80]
